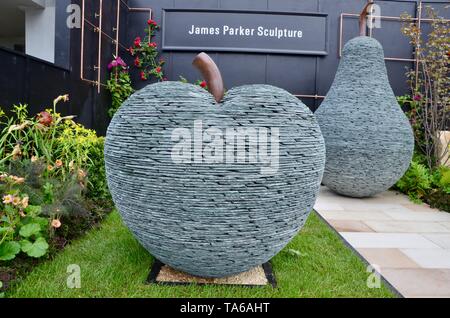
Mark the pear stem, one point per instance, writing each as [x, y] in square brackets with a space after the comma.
[211, 74]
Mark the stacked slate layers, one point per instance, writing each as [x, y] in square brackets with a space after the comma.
[212, 219]
[368, 138]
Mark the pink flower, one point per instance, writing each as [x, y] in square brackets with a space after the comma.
[112, 64]
[116, 62]
[8, 199]
[417, 97]
[152, 44]
[121, 62]
[56, 223]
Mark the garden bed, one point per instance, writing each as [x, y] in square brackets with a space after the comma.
[52, 185]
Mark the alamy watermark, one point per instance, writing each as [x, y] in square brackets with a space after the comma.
[373, 16]
[374, 278]
[243, 145]
[74, 277]
[74, 17]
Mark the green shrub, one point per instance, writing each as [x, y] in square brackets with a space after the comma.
[64, 145]
[118, 84]
[422, 184]
[415, 182]
[97, 186]
[51, 170]
[444, 180]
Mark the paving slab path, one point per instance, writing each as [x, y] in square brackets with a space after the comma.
[409, 243]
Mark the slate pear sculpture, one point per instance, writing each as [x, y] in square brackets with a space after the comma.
[208, 217]
[369, 141]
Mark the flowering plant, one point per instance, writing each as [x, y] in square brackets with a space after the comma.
[145, 54]
[62, 144]
[32, 208]
[21, 227]
[119, 84]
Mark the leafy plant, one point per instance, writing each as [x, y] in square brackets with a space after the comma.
[119, 84]
[442, 179]
[9, 250]
[430, 84]
[145, 54]
[60, 144]
[21, 228]
[424, 185]
[96, 172]
[34, 205]
[415, 182]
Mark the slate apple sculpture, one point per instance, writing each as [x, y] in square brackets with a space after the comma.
[369, 141]
[212, 219]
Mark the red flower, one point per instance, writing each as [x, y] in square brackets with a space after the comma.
[158, 69]
[143, 76]
[45, 118]
[131, 50]
[137, 61]
[417, 97]
[152, 44]
[151, 22]
[203, 84]
[137, 41]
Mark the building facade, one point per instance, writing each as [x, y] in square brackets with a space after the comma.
[53, 47]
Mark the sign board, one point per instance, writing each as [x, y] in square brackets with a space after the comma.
[244, 31]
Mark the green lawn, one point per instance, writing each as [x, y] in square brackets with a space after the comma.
[113, 264]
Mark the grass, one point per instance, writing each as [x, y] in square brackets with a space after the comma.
[113, 264]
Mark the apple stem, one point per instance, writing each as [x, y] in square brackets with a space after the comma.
[211, 75]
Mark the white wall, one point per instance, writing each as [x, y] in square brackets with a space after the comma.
[40, 31]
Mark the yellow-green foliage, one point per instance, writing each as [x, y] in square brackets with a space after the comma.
[60, 142]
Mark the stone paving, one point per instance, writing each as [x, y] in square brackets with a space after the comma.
[409, 242]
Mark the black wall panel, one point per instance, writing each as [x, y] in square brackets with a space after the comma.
[28, 80]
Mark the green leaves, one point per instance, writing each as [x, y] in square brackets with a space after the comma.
[33, 210]
[5, 230]
[30, 229]
[49, 195]
[36, 249]
[9, 250]
[119, 85]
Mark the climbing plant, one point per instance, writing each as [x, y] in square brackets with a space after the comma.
[145, 53]
[119, 84]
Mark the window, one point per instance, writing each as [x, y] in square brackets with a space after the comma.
[28, 26]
